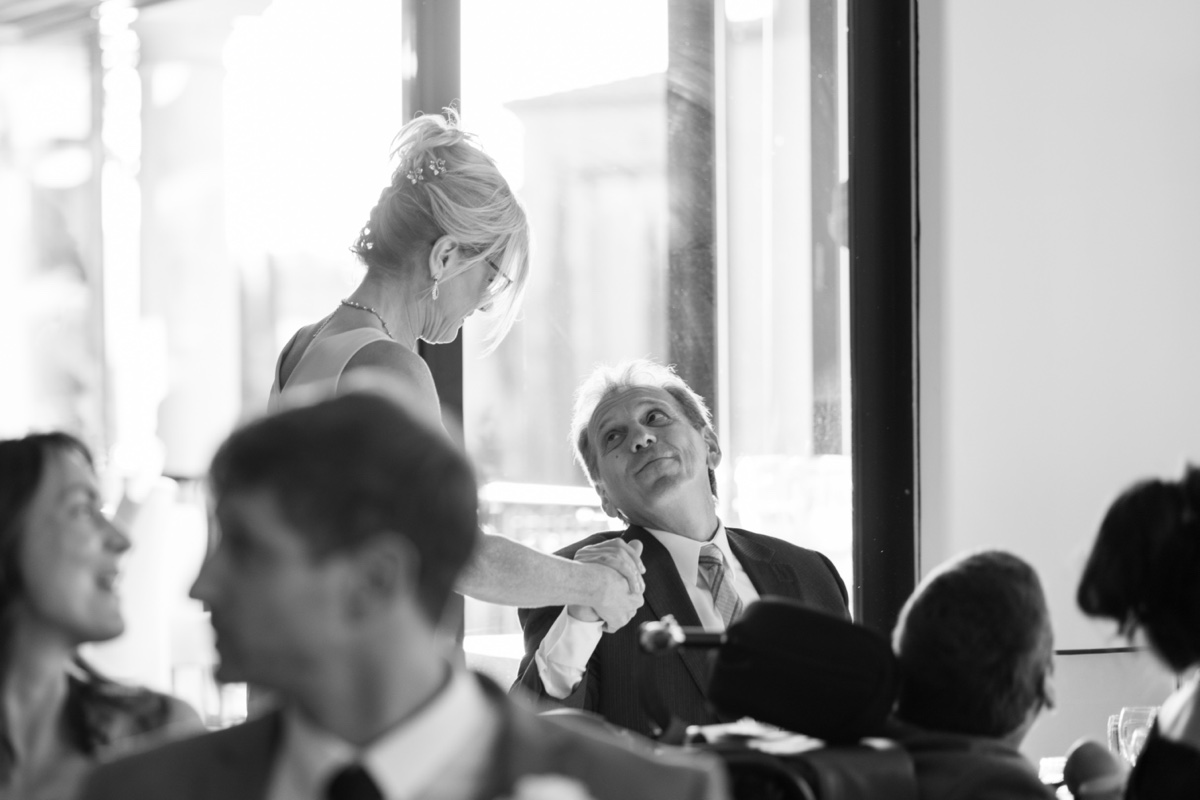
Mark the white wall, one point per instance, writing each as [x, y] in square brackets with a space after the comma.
[1060, 274]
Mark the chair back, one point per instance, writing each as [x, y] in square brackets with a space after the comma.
[876, 769]
[805, 671]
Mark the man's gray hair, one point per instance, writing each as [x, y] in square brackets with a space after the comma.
[608, 378]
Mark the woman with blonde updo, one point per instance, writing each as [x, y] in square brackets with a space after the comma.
[447, 238]
[59, 561]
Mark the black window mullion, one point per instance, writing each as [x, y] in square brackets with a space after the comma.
[883, 286]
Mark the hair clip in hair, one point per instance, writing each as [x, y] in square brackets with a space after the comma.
[415, 174]
[437, 166]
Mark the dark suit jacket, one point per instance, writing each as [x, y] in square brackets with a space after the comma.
[641, 692]
[956, 766]
[237, 763]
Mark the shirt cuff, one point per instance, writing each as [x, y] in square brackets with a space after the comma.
[563, 655]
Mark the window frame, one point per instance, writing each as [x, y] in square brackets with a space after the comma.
[885, 376]
[883, 230]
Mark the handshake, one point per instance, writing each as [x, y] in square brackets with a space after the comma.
[622, 584]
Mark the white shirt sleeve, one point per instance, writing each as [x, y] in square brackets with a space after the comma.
[563, 655]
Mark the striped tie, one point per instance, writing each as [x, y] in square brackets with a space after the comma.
[713, 576]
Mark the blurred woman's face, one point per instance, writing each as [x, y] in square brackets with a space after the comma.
[471, 287]
[69, 554]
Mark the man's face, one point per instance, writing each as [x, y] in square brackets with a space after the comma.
[277, 611]
[649, 455]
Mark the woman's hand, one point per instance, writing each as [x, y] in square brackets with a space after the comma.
[619, 584]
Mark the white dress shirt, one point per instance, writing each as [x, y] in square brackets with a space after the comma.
[563, 655]
[441, 753]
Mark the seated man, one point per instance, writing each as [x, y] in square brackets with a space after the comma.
[976, 657]
[646, 441]
[343, 527]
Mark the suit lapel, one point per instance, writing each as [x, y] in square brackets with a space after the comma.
[666, 594]
[520, 747]
[765, 571]
[244, 759]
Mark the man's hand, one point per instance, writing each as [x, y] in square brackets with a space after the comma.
[621, 583]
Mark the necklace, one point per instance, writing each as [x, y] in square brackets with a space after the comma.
[368, 309]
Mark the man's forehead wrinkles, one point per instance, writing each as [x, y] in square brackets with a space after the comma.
[613, 405]
[642, 396]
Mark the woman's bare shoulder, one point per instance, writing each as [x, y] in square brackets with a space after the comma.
[156, 718]
[181, 716]
[396, 361]
[294, 350]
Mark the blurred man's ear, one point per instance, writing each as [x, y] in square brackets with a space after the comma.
[1049, 697]
[385, 569]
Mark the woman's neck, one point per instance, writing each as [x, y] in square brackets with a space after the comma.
[398, 301]
[35, 692]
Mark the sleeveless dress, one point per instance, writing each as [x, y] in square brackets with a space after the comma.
[320, 368]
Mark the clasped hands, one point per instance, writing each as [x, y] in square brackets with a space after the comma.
[623, 584]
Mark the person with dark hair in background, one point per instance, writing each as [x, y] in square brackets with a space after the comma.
[59, 563]
[976, 654]
[646, 441]
[1144, 573]
[341, 531]
[446, 238]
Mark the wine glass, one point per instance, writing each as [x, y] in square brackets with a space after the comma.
[1133, 728]
[1113, 730]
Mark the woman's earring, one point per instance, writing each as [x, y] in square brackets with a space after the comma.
[435, 288]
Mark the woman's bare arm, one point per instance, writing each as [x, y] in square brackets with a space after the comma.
[503, 571]
[508, 573]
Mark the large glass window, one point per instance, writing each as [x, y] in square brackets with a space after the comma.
[189, 201]
[571, 99]
[576, 102]
[186, 202]
[50, 282]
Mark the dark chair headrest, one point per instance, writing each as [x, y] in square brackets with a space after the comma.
[805, 671]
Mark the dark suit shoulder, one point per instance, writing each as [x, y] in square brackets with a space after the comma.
[631, 768]
[171, 769]
[775, 543]
[821, 584]
[570, 550]
[955, 766]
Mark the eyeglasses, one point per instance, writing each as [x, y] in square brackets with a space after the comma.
[498, 283]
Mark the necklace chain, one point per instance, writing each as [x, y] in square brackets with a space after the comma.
[370, 310]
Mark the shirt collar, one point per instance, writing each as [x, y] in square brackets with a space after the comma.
[685, 552]
[404, 760]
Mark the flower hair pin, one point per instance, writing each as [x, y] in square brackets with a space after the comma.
[416, 172]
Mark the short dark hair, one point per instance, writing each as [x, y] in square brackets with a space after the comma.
[975, 645]
[347, 469]
[1144, 568]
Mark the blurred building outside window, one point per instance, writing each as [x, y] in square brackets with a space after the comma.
[190, 204]
[583, 136]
